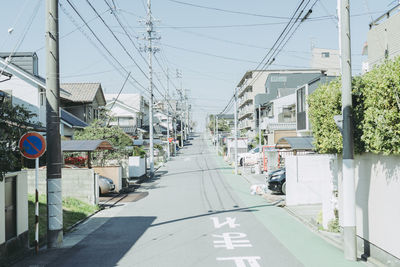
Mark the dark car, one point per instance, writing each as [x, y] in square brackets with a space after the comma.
[277, 181]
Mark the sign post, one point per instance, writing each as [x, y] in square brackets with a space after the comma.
[32, 146]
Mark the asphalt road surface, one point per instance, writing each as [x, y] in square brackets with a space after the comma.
[197, 213]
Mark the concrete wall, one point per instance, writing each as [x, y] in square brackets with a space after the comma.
[77, 183]
[377, 200]
[312, 179]
[112, 172]
[137, 166]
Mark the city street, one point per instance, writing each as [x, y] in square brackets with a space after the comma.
[194, 213]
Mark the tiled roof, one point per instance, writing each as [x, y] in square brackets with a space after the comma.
[72, 120]
[81, 92]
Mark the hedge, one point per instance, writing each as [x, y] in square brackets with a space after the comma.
[376, 112]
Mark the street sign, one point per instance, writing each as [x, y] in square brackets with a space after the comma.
[32, 145]
[170, 140]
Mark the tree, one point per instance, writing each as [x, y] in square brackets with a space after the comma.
[14, 122]
[114, 134]
[223, 124]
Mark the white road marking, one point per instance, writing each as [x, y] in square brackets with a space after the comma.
[241, 261]
[228, 241]
[229, 221]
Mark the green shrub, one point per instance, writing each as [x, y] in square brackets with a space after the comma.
[324, 103]
[381, 124]
[376, 112]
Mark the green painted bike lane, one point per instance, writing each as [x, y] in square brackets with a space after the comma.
[304, 244]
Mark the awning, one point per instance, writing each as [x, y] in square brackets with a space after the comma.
[85, 145]
[296, 143]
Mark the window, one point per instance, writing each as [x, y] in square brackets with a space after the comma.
[270, 111]
[278, 79]
[325, 54]
[42, 98]
[301, 100]
[125, 121]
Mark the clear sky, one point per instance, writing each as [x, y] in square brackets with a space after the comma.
[211, 48]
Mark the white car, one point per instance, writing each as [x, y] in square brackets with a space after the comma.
[250, 157]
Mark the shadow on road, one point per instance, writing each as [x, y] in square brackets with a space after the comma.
[106, 246]
[244, 209]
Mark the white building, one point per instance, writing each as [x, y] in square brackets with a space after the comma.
[130, 112]
[28, 89]
[383, 38]
[258, 88]
[326, 59]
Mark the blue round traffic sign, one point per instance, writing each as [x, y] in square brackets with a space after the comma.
[32, 145]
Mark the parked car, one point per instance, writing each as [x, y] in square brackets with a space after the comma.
[277, 181]
[250, 157]
[106, 185]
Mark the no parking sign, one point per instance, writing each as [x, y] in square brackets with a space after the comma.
[32, 145]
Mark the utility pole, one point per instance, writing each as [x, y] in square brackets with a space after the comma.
[175, 123]
[179, 76]
[187, 116]
[150, 50]
[236, 133]
[54, 159]
[216, 123]
[349, 198]
[259, 126]
[166, 100]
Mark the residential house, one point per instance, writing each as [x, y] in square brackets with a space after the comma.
[83, 100]
[383, 40]
[130, 112]
[303, 125]
[278, 104]
[26, 88]
[326, 59]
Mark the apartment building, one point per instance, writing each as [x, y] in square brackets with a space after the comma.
[251, 84]
[260, 88]
[383, 40]
[326, 59]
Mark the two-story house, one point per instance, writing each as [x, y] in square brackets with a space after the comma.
[84, 100]
[278, 103]
[130, 112]
[26, 88]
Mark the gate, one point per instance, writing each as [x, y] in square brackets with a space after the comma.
[10, 187]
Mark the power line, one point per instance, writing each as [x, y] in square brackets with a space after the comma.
[133, 43]
[116, 38]
[227, 11]
[105, 48]
[77, 27]
[209, 54]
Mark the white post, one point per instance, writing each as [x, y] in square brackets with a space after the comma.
[349, 196]
[36, 205]
[236, 133]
